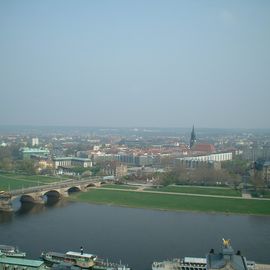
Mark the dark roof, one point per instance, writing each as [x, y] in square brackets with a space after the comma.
[218, 261]
[227, 259]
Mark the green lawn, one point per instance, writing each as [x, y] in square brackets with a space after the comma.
[16, 181]
[121, 187]
[174, 202]
[266, 194]
[200, 190]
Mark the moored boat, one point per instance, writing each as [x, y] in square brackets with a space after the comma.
[101, 264]
[82, 260]
[75, 258]
[10, 251]
[226, 259]
[187, 263]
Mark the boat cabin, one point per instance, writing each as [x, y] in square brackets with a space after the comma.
[84, 260]
[79, 255]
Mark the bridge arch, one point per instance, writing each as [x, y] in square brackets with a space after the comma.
[29, 198]
[90, 185]
[74, 189]
[52, 193]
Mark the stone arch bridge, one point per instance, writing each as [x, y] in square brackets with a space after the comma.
[36, 194]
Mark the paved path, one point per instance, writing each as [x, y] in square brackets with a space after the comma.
[246, 196]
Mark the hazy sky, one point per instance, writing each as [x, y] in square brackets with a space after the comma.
[135, 63]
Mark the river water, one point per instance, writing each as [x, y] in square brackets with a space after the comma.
[137, 237]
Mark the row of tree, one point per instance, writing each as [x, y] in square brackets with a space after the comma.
[232, 173]
[202, 175]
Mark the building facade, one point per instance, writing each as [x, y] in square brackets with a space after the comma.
[68, 162]
[213, 160]
[27, 152]
[35, 141]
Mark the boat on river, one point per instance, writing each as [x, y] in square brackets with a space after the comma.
[101, 264]
[10, 251]
[82, 260]
[227, 259]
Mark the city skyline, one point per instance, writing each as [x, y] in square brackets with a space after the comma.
[135, 64]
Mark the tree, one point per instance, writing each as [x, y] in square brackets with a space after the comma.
[236, 166]
[178, 175]
[257, 180]
[6, 164]
[5, 153]
[27, 166]
[95, 170]
[86, 173]
[8, 155]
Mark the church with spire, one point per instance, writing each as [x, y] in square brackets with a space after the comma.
[192, 138]
[203, 152]
[199, 148]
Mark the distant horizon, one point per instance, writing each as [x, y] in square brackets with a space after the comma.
[129, 127]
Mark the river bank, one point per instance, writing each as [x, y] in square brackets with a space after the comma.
[176, 202]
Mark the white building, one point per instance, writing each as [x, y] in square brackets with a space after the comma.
[69, 162]
[35, 141]
[211, 157]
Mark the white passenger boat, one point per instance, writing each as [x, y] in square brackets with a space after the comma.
[11, 251]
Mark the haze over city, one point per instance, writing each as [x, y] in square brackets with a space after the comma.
[135, 63]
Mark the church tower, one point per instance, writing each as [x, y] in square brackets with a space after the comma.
[192, 138]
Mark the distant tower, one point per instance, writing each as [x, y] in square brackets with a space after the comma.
[192, 138]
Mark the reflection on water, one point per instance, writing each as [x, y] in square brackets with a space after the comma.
[24, 208]
[28, 208]
[6, 217]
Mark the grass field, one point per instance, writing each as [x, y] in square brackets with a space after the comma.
[267, 194]
[200, 190]
[120, 187]
[174, 202]
[16, 181]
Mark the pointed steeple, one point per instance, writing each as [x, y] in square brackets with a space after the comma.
[192, 138]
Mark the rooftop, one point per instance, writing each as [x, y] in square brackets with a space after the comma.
[226, 259]
[78, 254]
[34, 150]
[71, 158]
[19, 261]
[204, 147]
